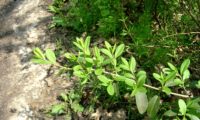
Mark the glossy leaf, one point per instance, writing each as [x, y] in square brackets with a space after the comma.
[107, 52]
[129, 82]
[132, 64]
[108, 46]
[182, 106]
[172, 67]
[184, 66]
[40, 61]
[119, 50]
[158, 77]
[103, 79]
[141, 102]
[50, 56]
[110, 89]
[38, 53]
[186, 74]
[153, 107]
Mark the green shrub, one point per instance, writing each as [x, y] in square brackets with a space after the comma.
[105, 78]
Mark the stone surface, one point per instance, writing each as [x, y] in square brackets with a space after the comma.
[23, 25]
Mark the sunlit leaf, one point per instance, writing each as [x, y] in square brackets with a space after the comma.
[57, 109]
[40, 61]
[98, 71]
[119, 50]
[184, 66]
[132, 64]
[103, 79]
[50, 56]
[38, 53]
[182, 106]
[141, 102]
[107, 52]
[186, 74]
[172, 67]
[108, 46]
[110, 89]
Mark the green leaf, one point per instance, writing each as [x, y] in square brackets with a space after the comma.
[38, 53]
[97, 52]
[170, 113]
[166, 90]
[87, 42]
[120, 78]
[141, 80]
[172, 67]
[57, 109]
[158, 77]
[178, 81]
[134, 91]
[50, 56]
[64, 96]
[129, 82]
[132, 64]
[104, 79]
[125, 64]
[186, 74]
[170, 76]
[153, 107]
[198, 84]
[119, 50]
[78, 45]
[108, 46]
[182, 106]
[98, 71]
[77, 107]
[40, 61]
[141, 72]
[192, 117]
[141, 102]
[77, 68]
[87, 45]
[129, 75]
[107, 52]
[110, 89]
[89, 60]
[184, 66]
[79, 74]
[53, 9]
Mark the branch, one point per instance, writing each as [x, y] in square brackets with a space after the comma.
[155, 88]
[180, 34]
[145, 85]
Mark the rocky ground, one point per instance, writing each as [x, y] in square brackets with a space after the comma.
[24, 86]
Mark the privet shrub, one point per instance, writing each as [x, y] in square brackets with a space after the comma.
[104, 77]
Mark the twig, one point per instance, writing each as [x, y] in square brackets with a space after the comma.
[155, 88]
[180, 34]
